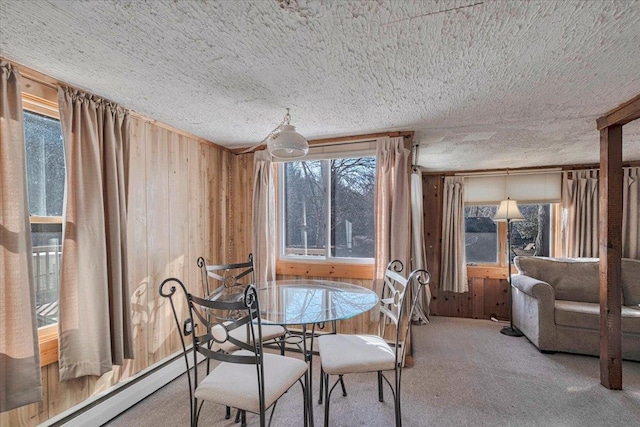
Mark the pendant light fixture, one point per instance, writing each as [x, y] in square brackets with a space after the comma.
[284, 142]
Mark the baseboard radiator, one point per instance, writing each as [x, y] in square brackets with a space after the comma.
[110, 403]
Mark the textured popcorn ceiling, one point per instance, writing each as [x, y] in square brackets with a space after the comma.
[490, 85]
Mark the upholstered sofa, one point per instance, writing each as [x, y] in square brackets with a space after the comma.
[556, 304]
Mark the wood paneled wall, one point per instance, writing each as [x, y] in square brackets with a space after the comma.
[488, 288]
[187, 198]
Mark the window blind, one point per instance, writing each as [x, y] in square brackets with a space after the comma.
[524, 187]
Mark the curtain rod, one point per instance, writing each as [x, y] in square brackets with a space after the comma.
[336, 144]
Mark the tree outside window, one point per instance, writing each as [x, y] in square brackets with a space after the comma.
[328, 208]
[529, 237]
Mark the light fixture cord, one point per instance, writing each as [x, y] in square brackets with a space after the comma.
[285, 121]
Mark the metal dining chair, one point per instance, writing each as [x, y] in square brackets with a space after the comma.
[248, 379]
[343, 354]
[217, 280]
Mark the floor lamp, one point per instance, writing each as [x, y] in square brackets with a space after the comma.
[509, 212]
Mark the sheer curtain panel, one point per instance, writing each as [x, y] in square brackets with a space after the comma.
[453, 266]
[95, 310]
[418, 252]
[392, 206]
[264, 220]
[20, 381]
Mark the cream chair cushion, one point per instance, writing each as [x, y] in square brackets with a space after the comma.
[344, 354]
[236, 385]
[269, 332]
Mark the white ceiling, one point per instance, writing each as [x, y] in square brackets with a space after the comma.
[484, 84]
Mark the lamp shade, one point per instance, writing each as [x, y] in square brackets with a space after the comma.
[508, 211]
[287, 143]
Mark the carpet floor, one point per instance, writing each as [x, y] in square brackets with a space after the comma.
[465, 373]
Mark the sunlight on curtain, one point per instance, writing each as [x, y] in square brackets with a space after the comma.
[392, 208]
[95, 308]
[20, 381]
[264, 222]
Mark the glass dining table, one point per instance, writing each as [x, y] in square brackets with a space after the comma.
[308, 303]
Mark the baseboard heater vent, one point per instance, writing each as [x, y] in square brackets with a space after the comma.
[105, 406]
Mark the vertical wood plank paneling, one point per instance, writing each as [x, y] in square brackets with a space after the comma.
[477, 301]
[232, 193]
[432, 196]
[157, 242]
[64, 394]
[223, 225]
[210, 216]
[496, 298]
[178, 179]
[137, 240]
[196, 216]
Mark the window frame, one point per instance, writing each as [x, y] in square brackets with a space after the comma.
[498, 270]
[41, 98]
[311, 265]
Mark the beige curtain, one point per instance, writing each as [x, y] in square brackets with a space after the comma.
[264, 223]
[630, 213]
[95, 315]
[580, 203]
[580, 213]
[20, 381]
[453, 268]
[392, 207]
[418, 252]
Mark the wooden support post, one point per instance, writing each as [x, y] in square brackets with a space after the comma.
[610, 256]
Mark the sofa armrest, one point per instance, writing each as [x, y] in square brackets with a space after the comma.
[533, 310]
[534, 287]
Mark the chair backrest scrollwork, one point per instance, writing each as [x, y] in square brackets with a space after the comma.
[395, 289]
[220, 278]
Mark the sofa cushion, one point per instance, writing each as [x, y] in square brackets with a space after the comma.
[587, 316]
[573, 279]
[631, 282]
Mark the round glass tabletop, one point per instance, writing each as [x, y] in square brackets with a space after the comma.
[307, 301]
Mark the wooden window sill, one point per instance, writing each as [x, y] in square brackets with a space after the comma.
[487, 272]
[48, 337]
[331, 270]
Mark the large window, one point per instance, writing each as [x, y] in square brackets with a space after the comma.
[45, 187]
[326, 209]
[529, 237]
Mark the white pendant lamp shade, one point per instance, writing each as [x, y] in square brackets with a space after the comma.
[287, 143]
[508, 211]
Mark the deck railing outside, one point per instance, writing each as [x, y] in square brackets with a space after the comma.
[46, 275]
